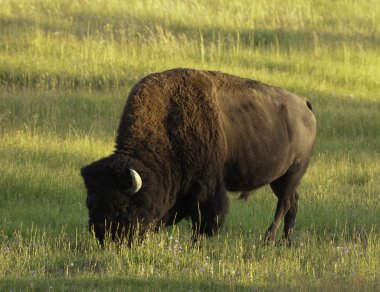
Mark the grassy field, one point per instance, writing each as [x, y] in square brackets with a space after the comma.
[66, 68]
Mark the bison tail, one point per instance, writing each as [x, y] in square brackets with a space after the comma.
[308, 103]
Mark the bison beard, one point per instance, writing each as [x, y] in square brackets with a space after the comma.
[187, 136]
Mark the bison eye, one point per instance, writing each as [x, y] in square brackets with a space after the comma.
[123, 186]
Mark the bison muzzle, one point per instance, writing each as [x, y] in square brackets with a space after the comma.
[185, 138]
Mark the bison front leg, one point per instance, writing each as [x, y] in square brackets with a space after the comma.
[208, 217]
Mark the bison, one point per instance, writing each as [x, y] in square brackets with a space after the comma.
[185, 138]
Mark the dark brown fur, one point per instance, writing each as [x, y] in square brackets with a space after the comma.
[191, 135]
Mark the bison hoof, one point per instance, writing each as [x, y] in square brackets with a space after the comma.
[269, 242]
[284, 242]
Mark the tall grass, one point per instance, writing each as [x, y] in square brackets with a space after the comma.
[97, 45]
[65, 70]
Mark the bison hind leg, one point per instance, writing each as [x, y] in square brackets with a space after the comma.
[208, 216]
[287, 202]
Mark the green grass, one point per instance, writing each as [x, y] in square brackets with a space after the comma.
[65, 70]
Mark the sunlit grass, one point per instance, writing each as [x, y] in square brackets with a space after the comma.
[65, 71]
[98, 45]
[168, 258]
[336, 239]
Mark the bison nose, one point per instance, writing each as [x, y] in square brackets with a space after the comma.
[98, 230]
[101, 241]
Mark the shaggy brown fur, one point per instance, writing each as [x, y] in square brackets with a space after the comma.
[191, 135]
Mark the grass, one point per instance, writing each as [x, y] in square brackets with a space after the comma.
[65, 70]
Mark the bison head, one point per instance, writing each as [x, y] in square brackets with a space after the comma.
[114, 198]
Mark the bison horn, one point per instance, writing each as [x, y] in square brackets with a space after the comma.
[136, 181]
